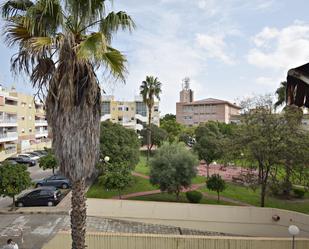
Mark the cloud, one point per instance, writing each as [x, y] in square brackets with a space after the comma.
[281, 49]
[268, 81]
[214, 46]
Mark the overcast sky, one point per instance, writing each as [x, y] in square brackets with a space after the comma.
[229, 48]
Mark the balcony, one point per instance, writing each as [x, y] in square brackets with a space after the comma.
[40, 122]
[9, 136]
[141, 118]
[8, 122]
[39, 134]
[106, 117]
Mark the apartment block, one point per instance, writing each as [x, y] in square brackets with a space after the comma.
[192, 113]
[23, 124]
[130, 114]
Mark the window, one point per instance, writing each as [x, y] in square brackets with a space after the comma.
[22, 130]
[120, 108]
[30, 130]
[141, 108]
[22, 117]
[127, 109]
[106, 108]
[156, 108]
[119, 119]
[30, 106]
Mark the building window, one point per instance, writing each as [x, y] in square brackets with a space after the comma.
[106, 107]
[119, 108]
[127, 109]
[156, 108]
[30, 130]
[22, 117]
[141, 108]
[22, 130]
[120, 119]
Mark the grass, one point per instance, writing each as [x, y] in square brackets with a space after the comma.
[165, 197]
[139, 185]
[247, 195]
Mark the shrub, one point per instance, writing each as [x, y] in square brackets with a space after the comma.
[299, 193]
[216, 183]
[194, 196]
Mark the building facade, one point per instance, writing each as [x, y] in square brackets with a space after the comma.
[23, 125]
[130, 114]
[192, 113]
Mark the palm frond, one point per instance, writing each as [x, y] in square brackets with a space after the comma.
[16, 33]
[42, 72]
[92, 47]
[14, 7]
[114, 21]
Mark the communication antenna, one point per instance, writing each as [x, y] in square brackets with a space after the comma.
[186, 83]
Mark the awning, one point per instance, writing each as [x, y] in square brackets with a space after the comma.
[297, 91]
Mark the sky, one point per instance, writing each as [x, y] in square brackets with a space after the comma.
[230, 49]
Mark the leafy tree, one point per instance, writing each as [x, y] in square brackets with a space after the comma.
[150, 89]
[172, 168]
[158, 136]
[48, 162]
[216, 183]
[60, 45]
[121, 145]
[116, 177]
[172, 128]
[280, 93]
[13, 180]
[208, 146]
[261, 137]
[168, 117]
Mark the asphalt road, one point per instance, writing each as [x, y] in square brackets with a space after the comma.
[36, 173]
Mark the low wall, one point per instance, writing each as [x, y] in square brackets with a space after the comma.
[249, 221]
[145, 241]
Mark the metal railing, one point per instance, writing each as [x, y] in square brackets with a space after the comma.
[8, 135]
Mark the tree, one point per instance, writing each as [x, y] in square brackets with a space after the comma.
[168, 117]
[172, 128]
[216, 183]
[158, 135]
[121, 145]
[13, 180]
[116, 177]
[280, 93]
[60, 46]
[261, 137]
[208, 147]
[172, 168]
[48, 162]
[150, 89]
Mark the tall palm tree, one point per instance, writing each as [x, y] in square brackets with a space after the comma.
[61, 43]
[150, 88]
[281, 92]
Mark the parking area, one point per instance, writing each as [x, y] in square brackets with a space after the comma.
[36, 173]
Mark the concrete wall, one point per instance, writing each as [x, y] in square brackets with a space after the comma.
[144, 241]
[250, 221]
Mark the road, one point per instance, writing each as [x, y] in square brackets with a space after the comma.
[36, 173]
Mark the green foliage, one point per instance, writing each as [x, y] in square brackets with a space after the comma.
[280, 93]
[194, 196]
[116, 177]
[216, 183]
[13, 180]
[48, 162]
[120, 144]
[299, 193]
[158, 135]
[172, 128]
[168, 117]
[172, 168]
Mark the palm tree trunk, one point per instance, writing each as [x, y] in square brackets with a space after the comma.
[78, 215]
[149, 133]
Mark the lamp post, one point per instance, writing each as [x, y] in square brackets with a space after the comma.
[293, 230]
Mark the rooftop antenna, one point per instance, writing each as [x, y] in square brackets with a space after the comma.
[186, 83]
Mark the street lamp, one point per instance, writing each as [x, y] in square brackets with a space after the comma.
[106, 159]
[293, 230]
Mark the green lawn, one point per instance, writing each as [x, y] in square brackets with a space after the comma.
[247, 195]
[139, 185]
[164, 197]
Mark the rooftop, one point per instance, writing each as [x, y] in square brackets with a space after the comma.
[211, 101]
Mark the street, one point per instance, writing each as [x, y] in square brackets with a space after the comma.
[36, 173]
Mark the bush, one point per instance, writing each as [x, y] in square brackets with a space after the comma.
[194, 196]
[299, 193]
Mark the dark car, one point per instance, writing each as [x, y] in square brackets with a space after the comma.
[22, 160]
[10, 161]
[35, 153]
[55, 181]
[41, 152]
[45, 196]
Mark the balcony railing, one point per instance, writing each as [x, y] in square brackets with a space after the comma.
[9, 121]
[8, 135]
[41, 132]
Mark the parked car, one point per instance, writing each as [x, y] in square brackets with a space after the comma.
[29, 156]
[35, 154]
[45, 196]
[41, 152]
[57, 181]
[22, 160]
[9, 161]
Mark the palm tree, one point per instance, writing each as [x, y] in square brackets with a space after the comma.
[61, 43]
[150, 88]
[281, 92]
